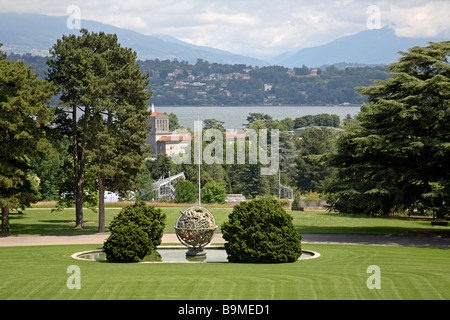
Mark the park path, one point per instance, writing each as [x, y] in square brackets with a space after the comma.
[359, 239]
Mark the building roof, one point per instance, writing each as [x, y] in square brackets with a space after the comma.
[158, 114]
[161, 182]
[175, 138]
[230, 135]
[189, 137]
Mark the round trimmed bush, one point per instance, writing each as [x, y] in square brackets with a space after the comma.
[127, 243]
[261, 231]
[135, 232]
[149, 218]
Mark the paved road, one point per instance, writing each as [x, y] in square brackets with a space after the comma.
[380, 240]
[99, 238]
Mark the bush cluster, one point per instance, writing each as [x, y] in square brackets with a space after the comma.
[261, 231]
[135, 232]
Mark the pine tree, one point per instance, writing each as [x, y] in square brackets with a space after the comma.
[288, 154]
[312, 174]
[24, 133]
[101, 80]
[396, 154]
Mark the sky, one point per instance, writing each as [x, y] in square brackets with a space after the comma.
[257, 28]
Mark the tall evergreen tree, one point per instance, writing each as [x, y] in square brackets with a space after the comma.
[288, 155]
[397, 153]
[101, 86]
[312, 173]
[24, 132]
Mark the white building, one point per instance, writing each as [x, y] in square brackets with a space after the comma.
[162, 140]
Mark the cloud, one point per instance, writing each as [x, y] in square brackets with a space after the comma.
[253, 26]
[424, 20]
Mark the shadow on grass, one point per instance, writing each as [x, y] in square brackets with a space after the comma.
[51, 227]
[374, 230]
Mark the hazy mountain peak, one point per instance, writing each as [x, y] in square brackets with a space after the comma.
[35, 33]
[376, 46]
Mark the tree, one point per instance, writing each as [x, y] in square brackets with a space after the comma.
[324, 119]
[186, 192]
[288, 154]
[174, 123]
[395, 155]
[255, 116]
[145, 190]
[257, 125]
[213, 124]
[161, 166]
[119, 147]
[101, 80]
[246, 178]
[286, 124]
[48, 169]
[214, 192]
[24, 134]
[312, 173]
[303, 71]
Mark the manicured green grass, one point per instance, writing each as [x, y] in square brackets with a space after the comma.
[332, 222]
[40, 272]
[339, 273]
[43, 221]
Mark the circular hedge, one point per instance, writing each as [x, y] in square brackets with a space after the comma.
[261, 231]
[149, 218]
[127, 244]
[135, 232]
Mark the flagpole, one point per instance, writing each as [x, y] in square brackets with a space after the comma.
[199, 148]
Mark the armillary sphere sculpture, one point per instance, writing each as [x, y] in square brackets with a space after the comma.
[196, 226]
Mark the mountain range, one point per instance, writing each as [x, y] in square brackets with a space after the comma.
[370, 47]
[35, 33]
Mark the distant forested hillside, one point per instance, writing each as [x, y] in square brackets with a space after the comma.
[204, 83]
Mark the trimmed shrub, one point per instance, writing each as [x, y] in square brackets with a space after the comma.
[149, 218]
[261, 231]
[127, 243]
[135, 232]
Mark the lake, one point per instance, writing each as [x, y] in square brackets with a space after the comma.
[235, 117]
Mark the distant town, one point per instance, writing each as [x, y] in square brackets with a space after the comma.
[203, 83]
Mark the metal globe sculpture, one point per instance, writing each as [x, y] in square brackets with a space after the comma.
[195, 228]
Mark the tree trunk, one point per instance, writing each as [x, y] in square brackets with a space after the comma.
[5, 223]
[101, 183]
[80, 187]
[79, 174]
[101, 203]
[5, 210]
[79, 223]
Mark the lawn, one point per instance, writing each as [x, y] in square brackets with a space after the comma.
[40, 272]
[339, 273]
[43, 221]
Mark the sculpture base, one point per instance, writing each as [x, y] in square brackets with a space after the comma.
[196, 252]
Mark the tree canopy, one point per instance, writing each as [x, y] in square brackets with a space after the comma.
[25, 133]
[395, 155]
[105, 97]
